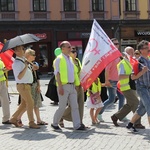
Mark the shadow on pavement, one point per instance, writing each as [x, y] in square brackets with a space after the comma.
[32, 134]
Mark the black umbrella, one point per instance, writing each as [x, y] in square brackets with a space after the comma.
[20, 40]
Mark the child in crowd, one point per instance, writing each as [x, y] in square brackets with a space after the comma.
[94, 101]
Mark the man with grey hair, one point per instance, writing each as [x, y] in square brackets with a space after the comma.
[124, 71]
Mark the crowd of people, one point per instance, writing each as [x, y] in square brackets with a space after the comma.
[120, 80]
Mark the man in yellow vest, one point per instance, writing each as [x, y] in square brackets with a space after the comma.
[124, 71]
[4, 99]
[66, 80]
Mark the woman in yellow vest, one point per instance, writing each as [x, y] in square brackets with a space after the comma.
[94, 101]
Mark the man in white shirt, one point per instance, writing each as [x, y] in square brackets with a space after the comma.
[24, 79]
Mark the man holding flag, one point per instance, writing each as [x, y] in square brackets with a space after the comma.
[111, 79]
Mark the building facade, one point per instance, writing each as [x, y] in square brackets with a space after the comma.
[58, 20]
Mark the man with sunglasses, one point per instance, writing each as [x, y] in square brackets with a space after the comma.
[111, 79]
[66, 80]
[24, 79]
[142, 84]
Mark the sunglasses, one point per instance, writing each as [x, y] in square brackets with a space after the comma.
[136, 53]
[67, 46]
[116, 43]
[73, 52]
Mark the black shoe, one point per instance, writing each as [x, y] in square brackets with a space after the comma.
[6, 122]
[82, 127]
[55, 127]
[131, 127]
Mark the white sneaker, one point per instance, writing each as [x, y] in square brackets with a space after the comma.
[100, 118]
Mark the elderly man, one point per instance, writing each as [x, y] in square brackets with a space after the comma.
[124, 71]
[66, 80]
[24, 79]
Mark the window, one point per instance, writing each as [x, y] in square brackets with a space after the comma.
[69, 5]
[39, 5]
[7, 5]
[130, 5]
[97, 5]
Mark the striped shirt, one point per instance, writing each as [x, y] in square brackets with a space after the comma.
[145, 78]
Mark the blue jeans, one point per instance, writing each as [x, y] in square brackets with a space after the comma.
[112, 91]
[144, 104]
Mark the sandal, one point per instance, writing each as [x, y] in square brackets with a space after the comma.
[19, 122]
[42, 123]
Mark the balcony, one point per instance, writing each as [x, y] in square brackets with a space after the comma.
[99, 15]
[8, 16]
[40, 15]
[129, 15]
[70, 15]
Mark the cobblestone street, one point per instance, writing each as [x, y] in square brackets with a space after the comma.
[102, 137]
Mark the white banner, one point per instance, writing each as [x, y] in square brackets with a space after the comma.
[100, 51]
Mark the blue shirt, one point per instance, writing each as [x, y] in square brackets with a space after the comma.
[145, 78]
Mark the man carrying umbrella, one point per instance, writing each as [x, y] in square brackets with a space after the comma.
[23, 76]
[24, 80]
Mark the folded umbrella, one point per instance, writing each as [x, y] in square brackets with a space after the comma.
[20, 40]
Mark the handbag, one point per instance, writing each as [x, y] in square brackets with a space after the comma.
[95, 98]
[52, 89]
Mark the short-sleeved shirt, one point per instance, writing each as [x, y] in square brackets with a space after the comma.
[145, 78]
[112, 70]
[17, 67]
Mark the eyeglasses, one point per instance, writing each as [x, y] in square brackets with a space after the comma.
[73, 48]
[33, 55]
[73, 52]
[116, 43]
[147, 48]
[136, 53]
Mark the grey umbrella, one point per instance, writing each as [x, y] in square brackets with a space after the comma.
[20, 40]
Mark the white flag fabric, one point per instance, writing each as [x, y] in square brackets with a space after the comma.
[99, 52]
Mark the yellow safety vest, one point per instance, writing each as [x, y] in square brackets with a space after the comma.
[64, 71]
[124, 83]
[95, 88]
[2, 76]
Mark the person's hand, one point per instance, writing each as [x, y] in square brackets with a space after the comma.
[61, 90]
[35, 67]
[107, 83]
[38, 89]
[144, 69]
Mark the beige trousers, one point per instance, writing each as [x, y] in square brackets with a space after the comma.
[27, 102]
[4, 101]
[80, 100]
